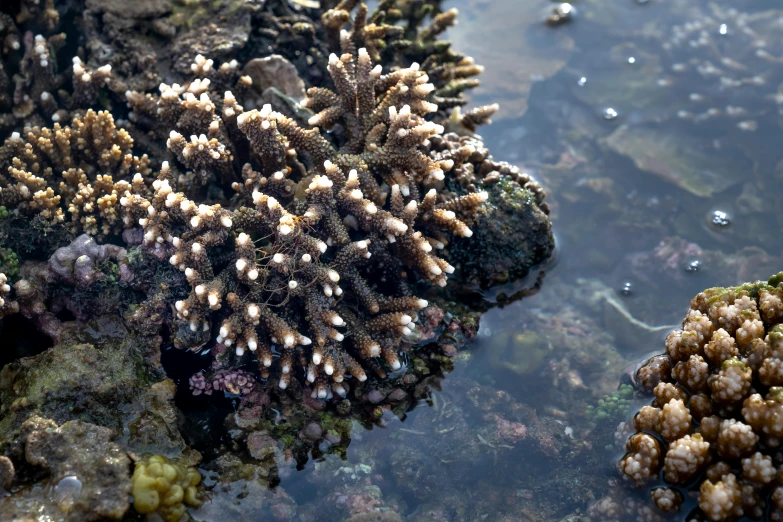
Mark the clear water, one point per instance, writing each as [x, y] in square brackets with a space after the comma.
[508, 436]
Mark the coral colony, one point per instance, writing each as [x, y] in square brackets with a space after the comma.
[717, 407]
[307, 265]
[279, 200]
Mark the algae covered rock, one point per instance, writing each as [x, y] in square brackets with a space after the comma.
[512, 234]
[87, 475]
[109, 382]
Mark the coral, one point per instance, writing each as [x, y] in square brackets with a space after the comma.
[721, 403]
[642, 460]
[66, 175]
[6, 305]
[165, 487]
[394, 33]
[236, 382]
[721, 500]
[76, 263]
[40, 92]
[667, 499]
[380, 147]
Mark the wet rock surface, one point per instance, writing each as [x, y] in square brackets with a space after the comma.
[86, 475]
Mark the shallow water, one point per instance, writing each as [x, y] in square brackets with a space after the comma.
[634, 202]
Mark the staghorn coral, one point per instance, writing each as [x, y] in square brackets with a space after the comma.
[72, 175]
[723, 401]
[393, 34]
[285, 266]
[265, 254]
[40, 93]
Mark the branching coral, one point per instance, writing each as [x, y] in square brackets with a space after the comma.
[282, 286]
[719, 408]
[38, 96]
[451, 73]
[311, 258]
[73, 175]
[270, 265]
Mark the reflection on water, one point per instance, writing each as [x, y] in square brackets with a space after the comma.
[655, 127]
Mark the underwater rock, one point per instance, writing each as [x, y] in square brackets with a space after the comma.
[241, 491]
[97, 374]
[680, 160]
[87, 475]
[375, 516]
[512, 234]
[7, 472]
[216, 29]
[141, 9]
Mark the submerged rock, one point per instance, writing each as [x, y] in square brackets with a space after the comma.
[512, 234]
[679, 159]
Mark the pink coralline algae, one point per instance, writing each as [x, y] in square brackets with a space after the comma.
[235, 382]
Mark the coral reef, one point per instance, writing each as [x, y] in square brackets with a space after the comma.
[268, 222]
[717, 410]
[376, 196]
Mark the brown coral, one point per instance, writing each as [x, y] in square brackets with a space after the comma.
[728, 355]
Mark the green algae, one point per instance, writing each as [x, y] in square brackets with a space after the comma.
[613, 406]
[9, 263]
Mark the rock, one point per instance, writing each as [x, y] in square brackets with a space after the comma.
[511, 235]
[375, 516]
[375, 396]
[7, 472]
[311, 432]
[261, 445]
[99, 373]
[215, 31]
[680, 159]
[275, 71]
[88, 475]
[135, 9]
